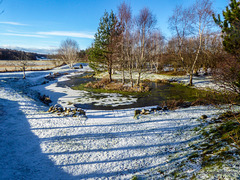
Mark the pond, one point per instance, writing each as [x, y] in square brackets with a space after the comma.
[159, 93]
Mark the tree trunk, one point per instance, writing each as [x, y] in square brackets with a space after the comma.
[130, 70]
[110, 73]
[123, 75]
[156, 68]
[196, 57]
[191, 79]
[194, 63]
[131, 79]
[141, 58]
[24, 75]
[139, 77]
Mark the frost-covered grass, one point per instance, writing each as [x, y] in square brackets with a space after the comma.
[205, 82]
[108, 145]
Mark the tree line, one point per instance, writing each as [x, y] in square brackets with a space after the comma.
[9, 54]
[133, 44]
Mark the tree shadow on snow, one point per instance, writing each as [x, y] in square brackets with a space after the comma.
[20, 152]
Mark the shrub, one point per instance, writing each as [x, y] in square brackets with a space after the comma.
[107, 85]
[174, 104]
[199, 101]
[88, 85]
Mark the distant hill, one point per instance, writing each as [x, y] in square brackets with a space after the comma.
[9, 54]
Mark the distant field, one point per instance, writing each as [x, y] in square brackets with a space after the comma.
[32, 65]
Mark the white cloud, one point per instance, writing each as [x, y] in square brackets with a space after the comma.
[40, 50]
[13, 23]
[23, 35]
[68, 33]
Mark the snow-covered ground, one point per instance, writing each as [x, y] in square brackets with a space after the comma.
[199, 82]
[35, 144]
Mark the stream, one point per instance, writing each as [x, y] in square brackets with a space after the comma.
[159, 93]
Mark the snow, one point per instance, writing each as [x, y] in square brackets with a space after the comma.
[108, 145]
[204, 82]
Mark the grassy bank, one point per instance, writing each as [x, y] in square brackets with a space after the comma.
[102, 90]
[167, 92]
[215, 152]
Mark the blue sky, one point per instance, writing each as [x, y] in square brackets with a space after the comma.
[41, 25]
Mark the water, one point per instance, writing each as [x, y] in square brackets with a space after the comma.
[76, 80]
[159, 93]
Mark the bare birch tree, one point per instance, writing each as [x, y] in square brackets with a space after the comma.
[188, 25]
[68, 52]
[203, 21]
[145, 22]
[155, 50]
[23, 62]
[181, 25]
[125, 19]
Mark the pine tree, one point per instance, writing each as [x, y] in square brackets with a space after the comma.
[101, 54]
[229, 73]
[230, 28]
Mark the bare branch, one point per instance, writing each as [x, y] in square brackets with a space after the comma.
[68, 51]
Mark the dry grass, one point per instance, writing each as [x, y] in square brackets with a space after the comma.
[175, 104]
[173, 73]
[107, 85]
[200, 101]
[32, 65]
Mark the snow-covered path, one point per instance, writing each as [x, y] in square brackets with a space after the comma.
[21, 156]
[109, 145]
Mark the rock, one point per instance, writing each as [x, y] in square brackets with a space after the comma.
[165, 108]
[74, 115]
[68, 110]
[203, 117]
[143, 111]
[54, 110]
[60, 109]
[50, 109]
[82, 112]
[185, 104]
[159, 108]
[74, 110]
[80, 66]
[137, 112]
[147, 112]
[153, 110]
[46, 99]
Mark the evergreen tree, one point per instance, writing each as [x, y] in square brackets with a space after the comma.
[230, 28]
[229, 71]
[101, 53]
